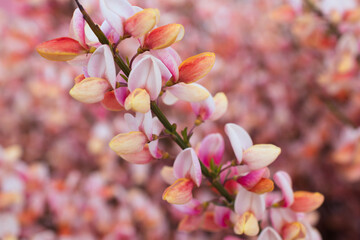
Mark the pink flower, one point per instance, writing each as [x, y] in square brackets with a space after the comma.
[137, 146]
[187, 170]
[246, 201]
[211, 147]
[254, 156]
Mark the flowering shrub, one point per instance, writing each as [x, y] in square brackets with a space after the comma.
[242, 189]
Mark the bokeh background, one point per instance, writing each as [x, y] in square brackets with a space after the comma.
[290, 70]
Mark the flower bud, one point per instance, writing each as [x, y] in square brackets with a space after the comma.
[261, 155]
[142, 22]
[138, 101]
[263, 186]
[189, 92]
[90, 90]
[196, 67]
[60, 49]
[128, 143]
[180, 192]
[306, 201]
[164, 36]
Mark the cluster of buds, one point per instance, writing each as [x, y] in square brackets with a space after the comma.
[156, 72]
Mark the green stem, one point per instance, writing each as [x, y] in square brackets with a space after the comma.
[103, 39]
[177, 138]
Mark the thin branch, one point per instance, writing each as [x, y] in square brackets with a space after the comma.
[103, 39]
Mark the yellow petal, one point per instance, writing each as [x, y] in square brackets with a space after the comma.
[246, 224]
[138, 101]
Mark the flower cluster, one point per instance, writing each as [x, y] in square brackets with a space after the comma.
[243, 187]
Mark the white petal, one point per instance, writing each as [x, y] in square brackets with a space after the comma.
[239, 139]
[261, 155]
[269, 234]
[192, 92]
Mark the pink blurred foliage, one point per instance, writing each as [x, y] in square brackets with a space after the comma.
[287, 80]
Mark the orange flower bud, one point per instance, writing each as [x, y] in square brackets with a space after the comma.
[60, 49]
[180, 192]
[110, 103]
[306, 201]
[263, 186]
[142, 22]
[196, 67]
[163, 37]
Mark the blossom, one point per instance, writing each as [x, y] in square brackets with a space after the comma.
[187, 170]
[254, 156]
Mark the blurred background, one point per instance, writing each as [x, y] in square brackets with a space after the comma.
[289, 68]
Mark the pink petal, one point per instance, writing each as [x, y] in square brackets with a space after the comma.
[222, 216]
[239, 139]
[283, 180]
[212, 147]
[269, 234]
[146, 74]
[281, 216]
[157, 126]
[115, 12]
[187, 165]
[204, 109]
[154, 150]
[248, 201]
[189, 92]
[147, 125]
[77, 26]
[251, 179]
[131, 122]
[166, 56]
[101, 65]
[191, 208]
[142, 157]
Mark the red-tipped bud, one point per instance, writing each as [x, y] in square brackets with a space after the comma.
[163, 37]
[142, 22]
[196, 67]
[60, 49]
